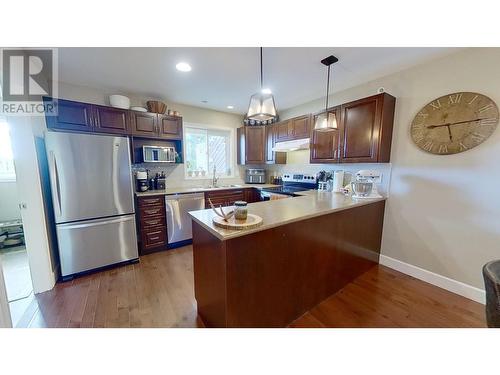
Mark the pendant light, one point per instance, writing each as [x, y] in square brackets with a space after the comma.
[327, 121]
[262, 108]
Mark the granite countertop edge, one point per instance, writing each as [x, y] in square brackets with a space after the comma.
[190, 190]
[225, 234]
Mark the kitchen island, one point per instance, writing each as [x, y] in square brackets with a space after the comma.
[307, 248]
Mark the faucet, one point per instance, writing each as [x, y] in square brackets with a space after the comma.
[214, 179]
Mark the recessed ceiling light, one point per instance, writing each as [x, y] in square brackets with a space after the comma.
[230, 107]
[183, 67]
[266, 91]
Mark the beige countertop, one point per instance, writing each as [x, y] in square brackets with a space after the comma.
[191, 189]
[274, 213]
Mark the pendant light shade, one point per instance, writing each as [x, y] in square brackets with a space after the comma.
[262, 107]
[327, 121]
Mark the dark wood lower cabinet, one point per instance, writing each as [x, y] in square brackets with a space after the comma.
[224, 197]
[152, 224]
[252, 195]
[228, 197]
[272, 277]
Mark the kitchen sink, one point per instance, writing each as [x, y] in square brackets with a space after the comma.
[222, 186]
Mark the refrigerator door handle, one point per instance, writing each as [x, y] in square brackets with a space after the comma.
[55, 183]
[94, 223]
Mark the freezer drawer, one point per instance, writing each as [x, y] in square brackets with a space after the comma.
[90, 244]
[177, 207]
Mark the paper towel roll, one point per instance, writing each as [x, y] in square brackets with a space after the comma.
[338, 181]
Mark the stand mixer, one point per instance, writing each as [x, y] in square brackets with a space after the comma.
[372, 177]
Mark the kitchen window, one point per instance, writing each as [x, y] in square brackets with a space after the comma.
[7, 171]
[205, 148]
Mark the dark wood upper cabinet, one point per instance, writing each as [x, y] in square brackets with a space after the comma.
[111, 120]
[271, 156]
[144, 124]
[255, 144]
[170, 127]
[92, 118]
[283, 131]
[366, 129]
[299, 127]
[325, 145]
[71, 115]
[295, 128]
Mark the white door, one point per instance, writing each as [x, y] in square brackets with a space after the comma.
[22, 134]
[5, 321]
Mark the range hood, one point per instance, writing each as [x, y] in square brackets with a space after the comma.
[295, 145]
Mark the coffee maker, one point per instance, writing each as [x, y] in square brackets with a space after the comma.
[141, 178]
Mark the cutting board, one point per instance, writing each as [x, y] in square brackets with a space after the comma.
[252, 221]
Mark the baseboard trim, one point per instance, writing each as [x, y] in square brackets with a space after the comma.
[454, 286]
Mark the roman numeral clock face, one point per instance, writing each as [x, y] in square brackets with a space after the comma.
[454, 123]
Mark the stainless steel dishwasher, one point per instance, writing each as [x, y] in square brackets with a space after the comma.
[177, 207]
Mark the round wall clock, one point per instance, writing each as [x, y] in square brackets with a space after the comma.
[454, 123]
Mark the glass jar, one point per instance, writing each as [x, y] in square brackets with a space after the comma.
[240, 210]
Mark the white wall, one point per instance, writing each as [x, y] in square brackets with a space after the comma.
[443, 212]
[9, 209]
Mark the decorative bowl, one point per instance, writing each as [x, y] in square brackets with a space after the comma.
[119, 101]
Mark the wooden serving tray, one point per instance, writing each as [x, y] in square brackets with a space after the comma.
[252, 221]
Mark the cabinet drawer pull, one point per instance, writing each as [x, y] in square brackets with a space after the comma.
[150, 212]
[154, 238]
[152, 222]
[151, 201]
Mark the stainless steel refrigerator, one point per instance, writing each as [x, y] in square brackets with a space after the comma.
[93, 200]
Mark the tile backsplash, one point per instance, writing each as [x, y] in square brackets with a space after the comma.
[175, 175]
[298, 161]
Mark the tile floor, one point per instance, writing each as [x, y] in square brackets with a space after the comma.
[17, 280]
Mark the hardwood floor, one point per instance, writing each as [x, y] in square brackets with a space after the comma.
[386, 298]
[159, 292]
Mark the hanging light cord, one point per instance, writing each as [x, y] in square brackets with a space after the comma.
[261, 74]
[327, 88]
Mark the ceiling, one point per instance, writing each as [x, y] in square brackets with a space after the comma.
[228, 76]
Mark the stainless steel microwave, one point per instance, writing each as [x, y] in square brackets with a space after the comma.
[157, 154]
